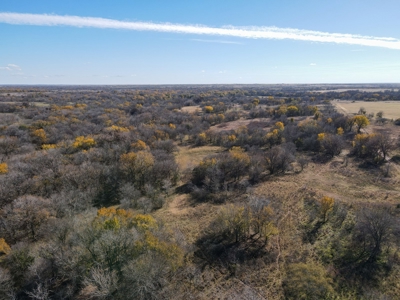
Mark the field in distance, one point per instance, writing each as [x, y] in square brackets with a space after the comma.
[391, 109]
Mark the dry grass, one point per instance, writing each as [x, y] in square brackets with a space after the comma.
[191, 109]
[179, 212]
[187, 157]
[233, 125]
[348, 184]
[38, 104]
[391, 109]
[369, 90]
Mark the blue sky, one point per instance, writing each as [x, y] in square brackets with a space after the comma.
[60, 54]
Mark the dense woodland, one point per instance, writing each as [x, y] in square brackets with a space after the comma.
[87, 175]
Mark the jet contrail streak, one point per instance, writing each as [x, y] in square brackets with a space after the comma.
[229, 31]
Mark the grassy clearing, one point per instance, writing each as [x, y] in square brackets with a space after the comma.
[391, 109]
[187, 157]
[181, 213]
[346, 183]
[234, 125]
[38, 104]
[191, 109]
[369, 90]
[41, 104]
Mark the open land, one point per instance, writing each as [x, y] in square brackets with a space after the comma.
[390, 109]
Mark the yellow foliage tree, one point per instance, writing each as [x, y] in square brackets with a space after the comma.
[4, 247]
[282, 110]
[292, 110]
[136, 165]
[239, 155]
[280, 125]
[262, 223]
[49, 146]
[232, 138]
[149, 239]
[80, 105]
[274, 136]
[327, 204]
[242, 222]
[84, 143]
[361, 121]
[139, 145]
[340, 131]
[111, 218]
[360, 141]
[209, 109]
[233, 222]
[305, 281]
[40, 135]
[201, 139]
[3, 168]
[144, 222]
[114, 128]
[127, 161]
[207, 162]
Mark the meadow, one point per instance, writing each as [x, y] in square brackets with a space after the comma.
[390, 109]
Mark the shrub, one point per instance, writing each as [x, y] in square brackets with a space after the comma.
[307, 281]
[208, 109]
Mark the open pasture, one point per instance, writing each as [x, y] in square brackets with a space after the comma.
[391, 109]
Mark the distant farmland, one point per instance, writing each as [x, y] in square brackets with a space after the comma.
[391, 109]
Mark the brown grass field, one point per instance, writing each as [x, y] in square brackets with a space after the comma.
[369, 90]
[234, 125]
[187, 157]
[191, 109]
[391, 109]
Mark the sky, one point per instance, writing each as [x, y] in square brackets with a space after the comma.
[199, 42]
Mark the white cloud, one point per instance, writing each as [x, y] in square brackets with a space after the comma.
[11, 67]
[231, 31]
[14, 66]
[313, 64]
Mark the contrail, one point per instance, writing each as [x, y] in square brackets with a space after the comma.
[229, 31]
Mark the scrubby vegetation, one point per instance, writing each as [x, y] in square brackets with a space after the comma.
[252, 192]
